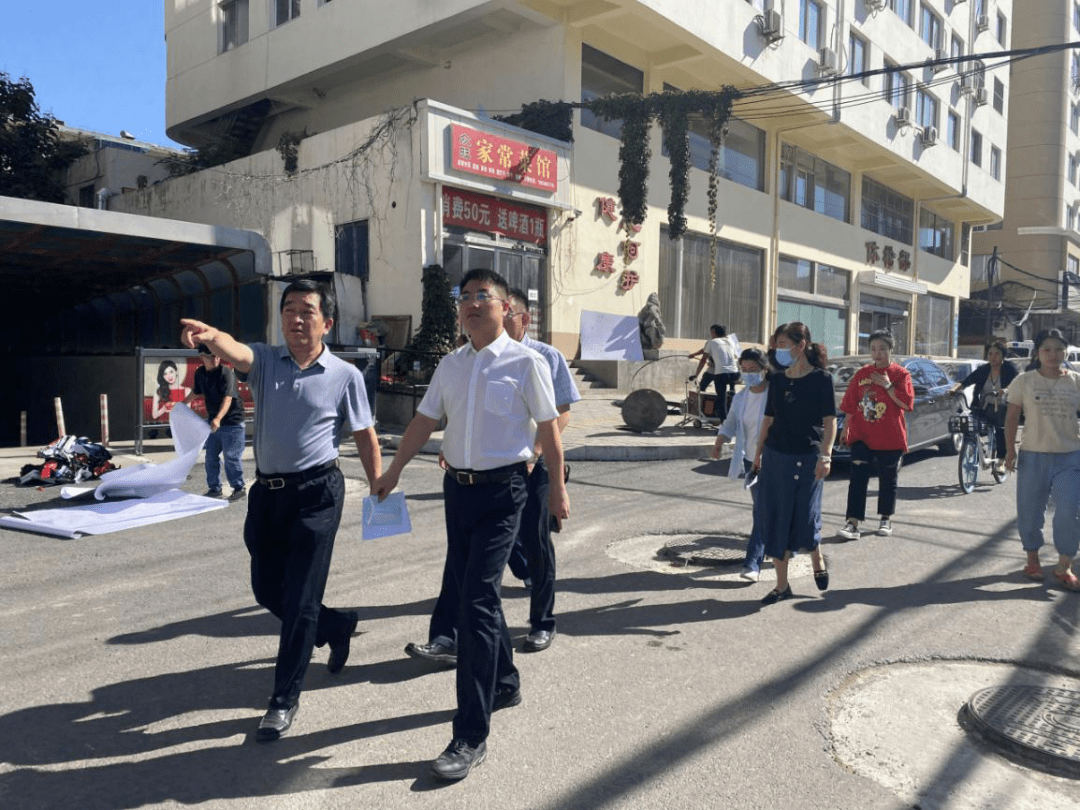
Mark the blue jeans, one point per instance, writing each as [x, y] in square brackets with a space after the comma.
[1039, 477]
[226, 441]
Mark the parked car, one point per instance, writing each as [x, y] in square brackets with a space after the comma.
[927, 422]
[957, 370]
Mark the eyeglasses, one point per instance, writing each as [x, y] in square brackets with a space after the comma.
[481, 297]
[515, 314]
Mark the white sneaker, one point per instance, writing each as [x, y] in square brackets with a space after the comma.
[850, 531]
[885, 527]
[749, 574]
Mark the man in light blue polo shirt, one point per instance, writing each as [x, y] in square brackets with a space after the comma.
[303, 396]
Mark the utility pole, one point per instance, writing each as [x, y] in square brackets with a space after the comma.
[991, 269]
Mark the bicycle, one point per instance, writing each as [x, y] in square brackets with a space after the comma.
[977, 450]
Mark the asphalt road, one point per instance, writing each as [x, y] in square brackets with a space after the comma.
[136, 665]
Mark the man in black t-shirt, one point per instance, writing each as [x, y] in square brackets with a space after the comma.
[225, 413]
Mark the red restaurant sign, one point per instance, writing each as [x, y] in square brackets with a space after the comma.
[489, 155]
[478, 212]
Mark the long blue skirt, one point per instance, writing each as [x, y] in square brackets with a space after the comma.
[790, 507]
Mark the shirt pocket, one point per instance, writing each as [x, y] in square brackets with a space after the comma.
[499, 398]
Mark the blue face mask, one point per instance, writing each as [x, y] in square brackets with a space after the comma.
[783, 357]
[752, 378]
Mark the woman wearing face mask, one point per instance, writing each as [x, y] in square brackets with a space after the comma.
[744, 423]
[794, 455]
[1048, 464]
[875, 430]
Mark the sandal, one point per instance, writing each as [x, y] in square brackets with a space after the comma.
[1067, 579]
[1034, 572]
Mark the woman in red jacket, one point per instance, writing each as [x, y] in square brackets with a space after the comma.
[875, 430]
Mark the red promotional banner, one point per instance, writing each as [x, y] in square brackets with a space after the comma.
[489, 155]
[479, 212]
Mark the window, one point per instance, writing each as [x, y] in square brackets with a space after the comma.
[857, 56]
[1070, 217]
[1076, 16]
[934, 325]
[802, 275]
[897, 86]
[887, 212]
[953, 134]
[1074, 75]
[980, 8]
[976, 147]
[1074, 119]
[86, 196]
[286, 10]
[742, 154]
[965, 244]
[1072, 170]
[351, 249]
[957, 47]
[930, 27]
[1002, 28]
[813, 183]
[602, 74]
[827, 325]
[690, 302]
[935, 234]
[926, 109]
[995, 162]
[999, 95]
[234, 24]
[810, 17]
[904, 9]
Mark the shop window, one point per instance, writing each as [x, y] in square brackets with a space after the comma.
[887, 212]
[827, 325]
[602, 74]
[934, 325]
[810, 182]
[877, 312]
[690, 301]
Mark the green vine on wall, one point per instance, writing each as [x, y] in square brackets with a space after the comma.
[674, 110]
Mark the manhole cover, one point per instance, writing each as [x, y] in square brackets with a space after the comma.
[727, 550]
[1038, 724]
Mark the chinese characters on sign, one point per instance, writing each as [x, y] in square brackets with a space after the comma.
[629, 250]
[489, 155]
[888, 257]
[479, 212]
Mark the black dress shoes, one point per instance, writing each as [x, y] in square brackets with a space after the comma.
[435, 652]
[506, 699]
[774, 596]
[339, 650]
[276, 722]
[458, 759]
[538, 640]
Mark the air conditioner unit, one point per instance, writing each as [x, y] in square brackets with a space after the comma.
[982, 23]
[929, 136]
[772, 26]
[903, 116]
[828, 62]
[940, 55]
[981, 96]
[969, 82]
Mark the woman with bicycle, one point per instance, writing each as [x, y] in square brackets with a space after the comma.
[875, 430]
[991, 381]
[1048, 462]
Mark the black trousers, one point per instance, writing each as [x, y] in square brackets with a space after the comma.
[533, 557]
[481, 524]
[721, 383]
[888, 469]
[289, 533]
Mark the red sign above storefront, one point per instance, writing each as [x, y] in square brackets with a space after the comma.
[489, 155]
[478, 212]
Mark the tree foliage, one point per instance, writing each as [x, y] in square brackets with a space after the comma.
[33, 157]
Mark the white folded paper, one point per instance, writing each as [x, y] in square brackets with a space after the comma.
[387, 518]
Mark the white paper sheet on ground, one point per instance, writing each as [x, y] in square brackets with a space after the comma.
[189, 432]
[607, 336]
[102, 518]
[387, 518]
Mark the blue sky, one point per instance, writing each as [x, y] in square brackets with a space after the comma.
[98, 66]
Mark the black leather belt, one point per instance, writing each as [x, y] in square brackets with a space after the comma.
[283, 480]
[499, 475]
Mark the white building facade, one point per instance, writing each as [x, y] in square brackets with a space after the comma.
[846, 204]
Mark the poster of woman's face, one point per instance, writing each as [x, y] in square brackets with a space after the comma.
[166, 382]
